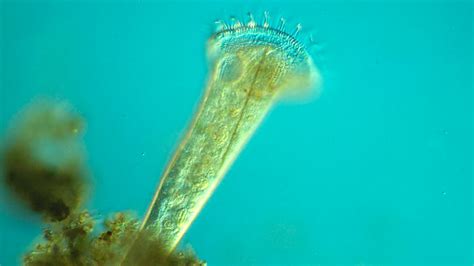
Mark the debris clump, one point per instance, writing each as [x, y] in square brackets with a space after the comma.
[43, 165]
[73, 242]
[44, 156]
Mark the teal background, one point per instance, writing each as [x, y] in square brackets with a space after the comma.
[377, 170]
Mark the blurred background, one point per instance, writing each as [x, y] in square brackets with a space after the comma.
[377, 170]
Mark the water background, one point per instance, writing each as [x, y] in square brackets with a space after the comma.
[378, 170]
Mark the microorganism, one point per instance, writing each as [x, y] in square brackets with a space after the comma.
[252, 66]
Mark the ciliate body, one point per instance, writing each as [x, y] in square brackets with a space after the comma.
[251, 66]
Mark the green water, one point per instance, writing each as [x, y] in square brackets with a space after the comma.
[377, 170]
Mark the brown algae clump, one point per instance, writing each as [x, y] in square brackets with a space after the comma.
[44, 166]
[252, 66]
[73, 242]
[43, 159]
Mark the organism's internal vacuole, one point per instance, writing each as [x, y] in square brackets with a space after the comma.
[251, 66]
